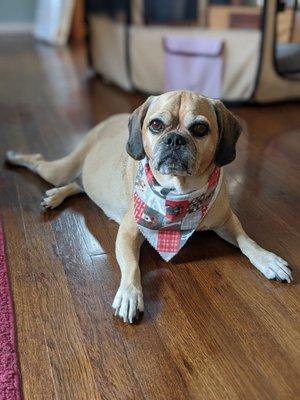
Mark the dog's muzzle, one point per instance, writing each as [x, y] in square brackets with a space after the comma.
[174, 154]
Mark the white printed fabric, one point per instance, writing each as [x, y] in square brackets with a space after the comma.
[165, 218]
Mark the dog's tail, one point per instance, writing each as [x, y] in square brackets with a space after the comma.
[58, 172]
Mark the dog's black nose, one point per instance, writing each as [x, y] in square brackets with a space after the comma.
[175, 141]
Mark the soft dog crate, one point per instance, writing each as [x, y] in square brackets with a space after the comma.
[126, 44]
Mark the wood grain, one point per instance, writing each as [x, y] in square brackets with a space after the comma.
[213, 327]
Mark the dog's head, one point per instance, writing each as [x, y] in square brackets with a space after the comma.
[182, 133]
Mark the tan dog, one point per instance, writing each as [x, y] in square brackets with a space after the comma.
[199, 132]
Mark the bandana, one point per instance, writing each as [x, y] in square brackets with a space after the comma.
[165, 218]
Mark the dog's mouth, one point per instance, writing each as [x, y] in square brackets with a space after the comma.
[173, 165]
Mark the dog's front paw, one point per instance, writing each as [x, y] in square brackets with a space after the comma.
[54, 197]
[272, 266]
[128, 302]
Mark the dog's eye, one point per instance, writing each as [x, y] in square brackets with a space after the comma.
[199, 129]
[156, 126]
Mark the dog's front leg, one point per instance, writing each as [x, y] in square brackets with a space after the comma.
[128, 301]
[269, 264]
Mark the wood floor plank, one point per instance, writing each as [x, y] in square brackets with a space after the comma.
[67, 352]
[32, 346]
[105, 351]
[207, 340]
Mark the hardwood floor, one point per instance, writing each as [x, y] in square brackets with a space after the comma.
[213, 328]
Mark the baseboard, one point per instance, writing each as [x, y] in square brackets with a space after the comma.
[15, 28]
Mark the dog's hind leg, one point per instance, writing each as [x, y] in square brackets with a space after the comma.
[54, 197]
[29, 161]
[58, 172]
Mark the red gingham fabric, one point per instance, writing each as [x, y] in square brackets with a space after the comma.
[149, 173]
[204, 209]
[214, 177]
[168, 241]
[139, 207]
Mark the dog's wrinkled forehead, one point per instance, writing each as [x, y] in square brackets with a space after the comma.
[180, 108]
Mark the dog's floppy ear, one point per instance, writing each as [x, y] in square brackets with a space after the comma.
[229, 132]
[135, 147]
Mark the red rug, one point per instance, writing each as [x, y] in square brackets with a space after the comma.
[9, 372]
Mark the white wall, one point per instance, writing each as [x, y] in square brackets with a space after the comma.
[16, 16]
